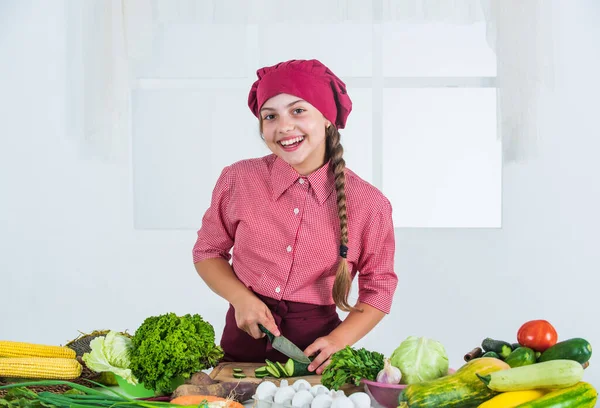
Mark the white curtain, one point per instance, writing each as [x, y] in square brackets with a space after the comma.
[118, 34]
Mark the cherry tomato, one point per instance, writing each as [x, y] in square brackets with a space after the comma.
[538, 335]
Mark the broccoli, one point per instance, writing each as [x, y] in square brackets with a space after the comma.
[166, 347]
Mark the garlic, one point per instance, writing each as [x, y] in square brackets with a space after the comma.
[389, 374]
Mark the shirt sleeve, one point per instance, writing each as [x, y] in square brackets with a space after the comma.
[377, 280]
[216, 235]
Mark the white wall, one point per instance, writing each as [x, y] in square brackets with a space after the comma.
[71, 259]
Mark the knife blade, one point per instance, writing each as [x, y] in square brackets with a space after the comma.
[285, 346]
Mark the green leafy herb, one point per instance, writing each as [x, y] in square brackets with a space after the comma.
[166, 347]
[20, 397]
[350, 366]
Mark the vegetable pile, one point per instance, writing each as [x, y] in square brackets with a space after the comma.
[537, 371]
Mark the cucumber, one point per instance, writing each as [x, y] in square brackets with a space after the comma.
[298, 368]
[282, 370]
[580, 395]
[272, 369]
[549, 374]
[238, 370]
[239, 375]
[491, 354]
[502, 348]
[261, 372]
[289, 368]
[576, 349]
[520, 357]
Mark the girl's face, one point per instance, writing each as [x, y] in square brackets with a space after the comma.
[294, 130]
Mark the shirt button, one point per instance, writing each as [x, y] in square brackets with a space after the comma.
[289, 248]
[301, 181]
[296, 211]
[277, 289]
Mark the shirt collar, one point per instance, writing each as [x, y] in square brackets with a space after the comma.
[283, 176]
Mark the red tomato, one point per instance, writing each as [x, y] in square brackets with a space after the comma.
[538, 335]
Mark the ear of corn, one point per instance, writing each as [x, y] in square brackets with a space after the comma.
[40, 367]
[20, 349]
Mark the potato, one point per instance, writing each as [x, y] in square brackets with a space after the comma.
[239, 391]
[200, 378]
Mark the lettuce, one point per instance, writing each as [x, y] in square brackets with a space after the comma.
[420, 359]
[111, 353]
[168, 347]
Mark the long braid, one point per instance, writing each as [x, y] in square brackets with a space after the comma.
[343, 280]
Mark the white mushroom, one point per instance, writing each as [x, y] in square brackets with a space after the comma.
[360, 400]
[318, 389]
[283, 383]
[301, 384]
[342, 402]
[322, 401]
[265, 389]
[284, 394]
[302, 398]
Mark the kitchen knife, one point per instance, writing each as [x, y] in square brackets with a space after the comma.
[284, 346]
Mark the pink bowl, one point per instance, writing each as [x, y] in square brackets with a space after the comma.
[385, 394]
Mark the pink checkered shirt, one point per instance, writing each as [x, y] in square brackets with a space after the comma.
[284, 230]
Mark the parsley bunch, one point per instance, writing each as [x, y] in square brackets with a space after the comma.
[350, 366]
[168, 346]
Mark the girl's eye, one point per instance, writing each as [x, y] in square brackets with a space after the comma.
[298, 110]
[268, 117]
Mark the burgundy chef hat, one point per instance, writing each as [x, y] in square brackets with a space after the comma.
[306, 79]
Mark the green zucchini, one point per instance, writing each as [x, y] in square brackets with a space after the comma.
[580, 395]
[491, 354]
[502, 348]
[515, 346]
[576, 349]
[520, 357]
[458, 390]
[549, 374]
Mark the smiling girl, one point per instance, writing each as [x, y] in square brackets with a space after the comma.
[301, 226]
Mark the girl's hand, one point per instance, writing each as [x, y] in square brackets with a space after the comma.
[326, 346]
[249, 312]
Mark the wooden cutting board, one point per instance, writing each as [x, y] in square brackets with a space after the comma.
[224, 373]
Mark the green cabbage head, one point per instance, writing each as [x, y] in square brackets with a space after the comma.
[420, 359]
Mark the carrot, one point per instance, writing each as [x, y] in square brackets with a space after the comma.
[201, 399]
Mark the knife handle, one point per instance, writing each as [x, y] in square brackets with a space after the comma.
[267, 332]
